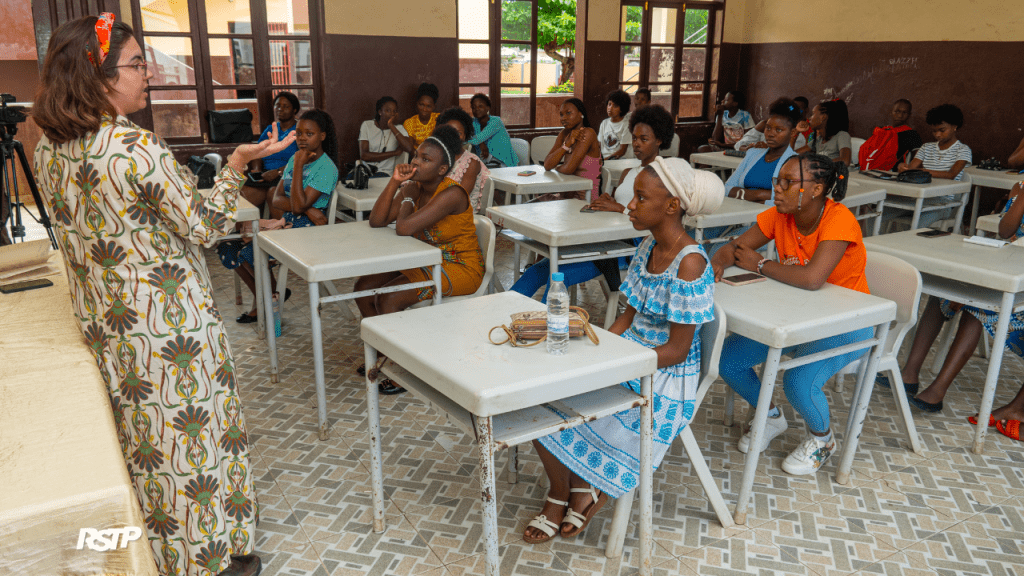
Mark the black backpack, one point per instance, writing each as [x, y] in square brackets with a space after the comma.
[204, 171]
[359, 176]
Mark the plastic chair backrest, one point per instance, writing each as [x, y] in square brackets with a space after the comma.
[332, 208]
[486, 196]
[712, 335]
[895, 279]
[522, 149]
[217, 159]
[539, 148]
[855, 144]
[485, 235]
[673, 148]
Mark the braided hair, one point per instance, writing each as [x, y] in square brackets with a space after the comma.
[582, 108]
[834, 176]
[380, 105]
[326, 124]
[445, 138]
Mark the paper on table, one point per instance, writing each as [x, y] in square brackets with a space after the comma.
[23, 256]
[983, 241]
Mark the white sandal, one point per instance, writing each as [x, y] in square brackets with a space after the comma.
[580, 521]
[541, 522]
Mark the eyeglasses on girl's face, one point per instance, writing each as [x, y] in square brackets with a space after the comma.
[782, 183]
[140, 67]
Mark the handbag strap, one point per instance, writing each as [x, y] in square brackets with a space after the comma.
[511, 337]
[587, 328]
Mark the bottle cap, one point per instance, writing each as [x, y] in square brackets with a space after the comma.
[557, 277]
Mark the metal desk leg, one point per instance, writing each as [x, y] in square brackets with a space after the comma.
[976, 192]
[359, 215]
[268, 304]
[880, 207]
[995, 362]
[960, 212]
[918, 204]
[261, 318]
[698, 235]
[646, 478]
[437, 286]
[485, 443]
[860, 407]
[553, 251]
[318, 359]
[373, 415]
[764, 400]
[515, 263]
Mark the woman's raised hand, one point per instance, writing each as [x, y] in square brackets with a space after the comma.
[248, 152]
[403, 173]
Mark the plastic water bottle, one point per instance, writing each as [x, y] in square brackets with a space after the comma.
[277, 316]
[558, 315]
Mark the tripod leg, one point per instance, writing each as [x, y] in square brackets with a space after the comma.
[44, 219]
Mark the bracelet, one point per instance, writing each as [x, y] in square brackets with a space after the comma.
[409, 200]
[761, 265]
[566, 148]
[741, 194]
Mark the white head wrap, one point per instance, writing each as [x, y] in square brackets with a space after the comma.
[699, 192]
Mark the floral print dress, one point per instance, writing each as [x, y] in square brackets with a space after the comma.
[130, 223]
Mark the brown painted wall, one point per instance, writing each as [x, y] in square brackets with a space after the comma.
[21, 78]
[361, 69]
[979, 77]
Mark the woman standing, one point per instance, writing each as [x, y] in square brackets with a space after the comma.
[130, 223]
[575, 151]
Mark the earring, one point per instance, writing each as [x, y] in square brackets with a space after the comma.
[801, 190]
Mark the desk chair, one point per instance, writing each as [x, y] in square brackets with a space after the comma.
[896, 280]
[522, 149]
[712, 335]
[855, 144]
[539, 148]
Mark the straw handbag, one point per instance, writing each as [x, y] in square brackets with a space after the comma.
[533, 325]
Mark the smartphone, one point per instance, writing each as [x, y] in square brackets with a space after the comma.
[26, 285]
[255, 176]
[933, 233]
[527, 173]
[588, 209]
[744, 279]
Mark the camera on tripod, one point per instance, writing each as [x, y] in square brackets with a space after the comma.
[11, 115]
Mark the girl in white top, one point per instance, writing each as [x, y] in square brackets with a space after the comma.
[381, 139]
[652, 128]
[614, 133]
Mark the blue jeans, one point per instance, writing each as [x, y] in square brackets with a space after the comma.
[802, 384]
[540, 275]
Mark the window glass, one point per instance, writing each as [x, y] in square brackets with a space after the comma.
[663, 25]
[662, 66]
[693, 63]
[171, 60]
[474, 20]
[516, 20]
[164, 15]
[287, 17]
[629, 71]
[290, 62]
[474, 63]
[695, 27]
[231, 61]
[175, 113]
[227, 16]
[515, 106]
[632, 20]
[691, 100]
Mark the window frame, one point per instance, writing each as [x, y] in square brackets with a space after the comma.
[712, 51]
[265, 89]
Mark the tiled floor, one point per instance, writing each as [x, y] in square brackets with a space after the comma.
[948, 512]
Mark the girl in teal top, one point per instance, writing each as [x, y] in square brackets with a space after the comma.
[491, 141]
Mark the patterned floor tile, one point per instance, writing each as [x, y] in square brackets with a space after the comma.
[514, 559]
[748, 552]
[356, 549]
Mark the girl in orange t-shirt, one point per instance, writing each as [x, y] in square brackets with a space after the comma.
[818, 241]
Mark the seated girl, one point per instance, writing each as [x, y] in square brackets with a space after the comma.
[731, 123]
[946, 158]
[818, 241]
[652, 128]
[614, 131]
[490, 139]
[576, 151]
[425, 203]
[381, 141]
[265, 173]
[301, 197]
[670, 290]
[972, 321]
[420, 126]
[752, 179]
[469, 171]
[830, 122]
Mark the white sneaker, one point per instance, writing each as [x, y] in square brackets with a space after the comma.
[809, 456]
[773, 427]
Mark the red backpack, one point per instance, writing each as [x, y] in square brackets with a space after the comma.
[879, 151]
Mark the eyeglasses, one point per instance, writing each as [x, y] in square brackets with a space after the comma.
[141, 68]
[782, 183]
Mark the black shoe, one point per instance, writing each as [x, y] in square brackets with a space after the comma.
[248, 565]
[388, 387]
[246, 319]
[925, 406]
[910, 387]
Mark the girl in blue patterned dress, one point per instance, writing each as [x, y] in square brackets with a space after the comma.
[972, 322]
[670, 291]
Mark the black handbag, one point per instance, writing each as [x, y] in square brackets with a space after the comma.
[204, 171]
[914, 177]
[230, 126]
[359, 174]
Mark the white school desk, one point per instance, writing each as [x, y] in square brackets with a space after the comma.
[979, 276]
[732, 212]
[559, 231]
[501, 395]
[541, 182]
[722, 165]
[862, 194]
[993, 179]
[323, 253]
[778, 316]
[990, 224]
[916, 194]
[62, 467]
[359, 201]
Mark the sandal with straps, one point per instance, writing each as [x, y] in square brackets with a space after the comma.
[1011, 429]
[541, 522]
[581, 520]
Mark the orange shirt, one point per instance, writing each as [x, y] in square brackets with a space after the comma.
[419, 131]
[837, 223]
